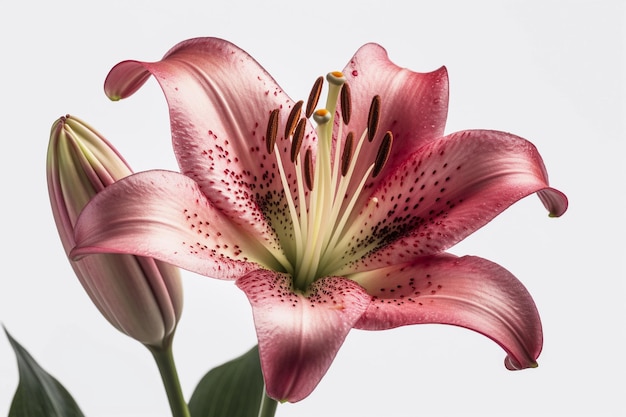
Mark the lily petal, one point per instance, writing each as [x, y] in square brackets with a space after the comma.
[469, 292]
[300, 334]
[220, 100]
[163, 215]
[414, 105]
[449, 189]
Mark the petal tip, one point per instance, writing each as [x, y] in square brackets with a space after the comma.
[125, 78]
[513, 365]
[554, 200]
[78, 253]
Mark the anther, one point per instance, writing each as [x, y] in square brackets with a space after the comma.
[346, 103]
[373, 118]
[294, 115]
[272, 131]
[346, 156]
[321, 116]
[314, 96]
[308, 169]
[383, 154]
[298, 136]
[336, 78]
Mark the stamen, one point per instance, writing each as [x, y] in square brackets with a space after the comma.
[314, 96]
[291, 203]
[296, 142]
[339, 221]
[346, 157]
[272, 131]
[334, 259]
[336, 78]
[346, 103]
[336, 171]
[383, 154]
[308, 169]
[335, 81]
[373, 118]
[321, 116]
[294, 115]
[323, 218]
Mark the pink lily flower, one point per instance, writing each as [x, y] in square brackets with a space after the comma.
[141, 297]
[330, 227]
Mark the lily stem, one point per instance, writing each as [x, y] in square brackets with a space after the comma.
[268, 406]
[164, 359]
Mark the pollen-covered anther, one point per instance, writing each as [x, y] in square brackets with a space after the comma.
[346, 103]
[373, 118]
[272, 131]
[383, 154]
[346, 156]
[314, 96]
[294, 115]
[322, 116]
[296, 141]
[308, 169]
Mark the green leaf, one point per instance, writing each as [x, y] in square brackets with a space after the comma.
[38, 393]
[234, 389]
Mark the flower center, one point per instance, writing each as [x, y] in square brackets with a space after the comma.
[327, 187]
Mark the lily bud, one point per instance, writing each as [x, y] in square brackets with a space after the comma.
[140, 296]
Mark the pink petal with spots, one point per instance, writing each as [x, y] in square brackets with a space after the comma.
[469, 292]
[164, 215]
[219, 101]
[450, 188]
[414, 105]
[300, 334]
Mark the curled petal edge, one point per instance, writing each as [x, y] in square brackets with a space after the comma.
[468, 292]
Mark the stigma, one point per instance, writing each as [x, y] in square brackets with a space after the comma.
[321, 209]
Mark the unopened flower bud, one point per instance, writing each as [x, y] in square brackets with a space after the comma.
[141, 297]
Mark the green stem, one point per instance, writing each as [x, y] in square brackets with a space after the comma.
[164, 359]
[268, 406]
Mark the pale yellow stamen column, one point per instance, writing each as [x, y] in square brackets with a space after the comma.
[321, 231]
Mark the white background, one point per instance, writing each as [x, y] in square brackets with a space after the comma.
[553, 72]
